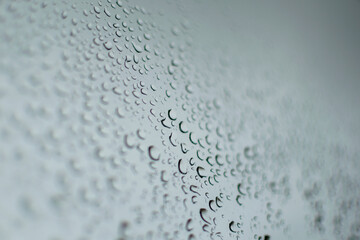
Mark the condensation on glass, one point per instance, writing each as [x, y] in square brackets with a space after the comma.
[127, 120]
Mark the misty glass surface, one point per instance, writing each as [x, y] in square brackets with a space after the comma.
[161, 119]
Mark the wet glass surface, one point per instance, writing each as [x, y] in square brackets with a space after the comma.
[179, 120]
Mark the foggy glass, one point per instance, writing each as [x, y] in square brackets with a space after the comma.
[163, 119]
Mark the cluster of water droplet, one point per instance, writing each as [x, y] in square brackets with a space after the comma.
[111, 131]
